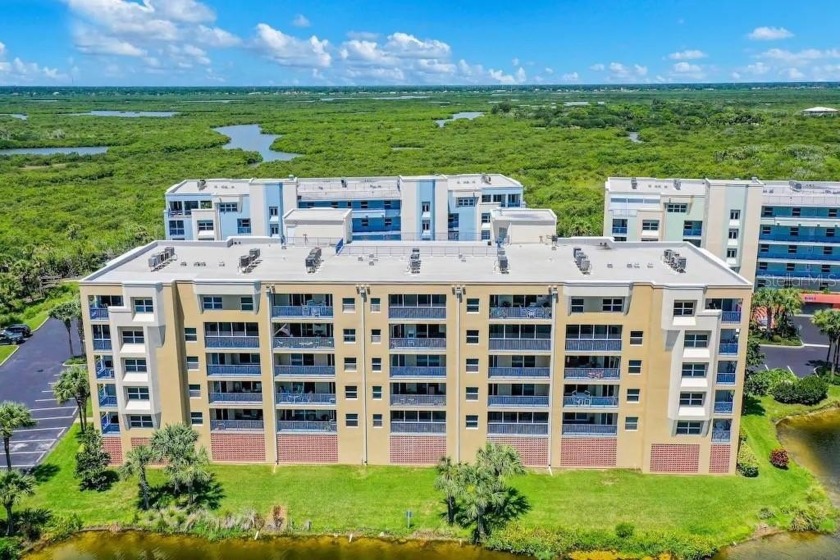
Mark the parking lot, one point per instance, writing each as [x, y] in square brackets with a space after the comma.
[801, 360]
[28, 377]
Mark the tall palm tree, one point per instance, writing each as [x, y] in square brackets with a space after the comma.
[14, 485]
[500, 461]
[74, 384]
[13, 416]
[828, 321]
[175, 444]
[135, 464]
[477, 488]
[193, 473]
[447, 481]
[65, 313]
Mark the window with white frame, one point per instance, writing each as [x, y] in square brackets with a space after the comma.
[349, 335]
[135, 365]
[676, 208]
[351, 420]
[472, 365]
[634, 367]
[143, 305]
[689, 428]
[683, 308]
[691, 399]
[350, 364]
[376, 365]
[190, 334]
[612, 304]
[204, 225]
[734, 214]
[140, 421]
[137, 393]
[733, 233]
[464, 201]
[650, 225]
[192, 362]
[351, 392]
[577, 305]
[227, 207]
[133, 336]
[631, 423]
[211, 302]
[472, 421]
[472, 393]
[633, 395]
[196, 418]
[690, 369]
[732, 253]
[376, 392]
[473, 305]
[246, 303]
[348, 305]
[377, 420]
[694, 339]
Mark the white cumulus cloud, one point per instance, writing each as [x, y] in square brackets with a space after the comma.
[287, 50]
[690, 54]
[769, 34]
[570, 77]
[301, 21]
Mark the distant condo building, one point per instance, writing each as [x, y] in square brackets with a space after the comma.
[778, 233]
[326, 347]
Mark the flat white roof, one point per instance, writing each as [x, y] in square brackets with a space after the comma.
[820, 110]
[441, 262]
[524, 215]
[671, 186]
[328, 215]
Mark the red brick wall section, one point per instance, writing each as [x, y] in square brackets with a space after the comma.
[138, 441]
[305, 448]
[533, 450]
[588, 452]
[674, 458]
[719, 459]
[238, 448]
[113, 445]
[417, 450]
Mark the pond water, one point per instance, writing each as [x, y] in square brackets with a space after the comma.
[19, 116]
[249, 137]
[107, 546]
[469, 115]
[634, 137]
[127, 114]
[82, 151]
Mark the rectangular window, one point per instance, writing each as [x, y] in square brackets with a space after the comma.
[351, 420]
[650, 225]
[365, 222]
[140, 422]
[791, 249]
[732, 253]
[825, 268]
[376, 336]
[691, 399]
[790, 267]
[686, 428]
[733, 233]
[696, 340]
[377, 420]
[472, 421]
[273, 211]
[135, 365]
[734, 214]
[485, 235]
[683, 308]
[376, 364]
[832, 212]
[765, 230]
[633, 395]
[274, 229]
[192, 362]
[766, 212]
[349, 335]
[190, 334]
[796, 212]
[376, 392]
[425, 206]
[631, 423]
[636, 337]
[246, 303]
[472, 365]
[227, 207]
[196, 418]
[195, 390]
[211, 302]
[387, 222]
[350, 364]
[243, 225]
[827, 249]
[205, 225]
[463, 201]
[577, 305]
[634, 367]
[485, 217]
[351, 392]
[612, 304]
[472, 337]
[133, 337]
[794, 232]
[137, 393]
[348, 305]
[472, 393]
[694, 370]
[375, 305]
[473, 305]
[426, 225]
[676, 208]
[143, 305]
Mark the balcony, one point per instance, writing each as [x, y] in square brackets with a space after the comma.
[589, 430]
[692, 233]
[810, 256]
[110, 428]
[328, 426]
[412, 343]
[729, 348]
[418, 371]
[103, 372]
[533, 344]
[586, 345]
[721, 436]
[232, 341]
[591, 373]
[99, 313]
[516, 401]
[108, 400]
[235, 397]
[802, 238]
[586, 401]
[811, 274]
[724, 407]
[418, 427]
[432, 312]
[243, 230]
[302, 311]
[305, 398]
[520, 313]
[530, 372]
[236, 425]
[730, 316]
[619, 230]
[101, 343]
[305, 370]
[237, 370]
[726, 378]
[418, 400]
[305, 342]
[505, 428]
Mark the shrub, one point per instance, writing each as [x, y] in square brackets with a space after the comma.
[63, 526]
[624, 530]
[807, 517]
[747, 462]
[765, 513]
[779, 458]
[761, 383]
[809, 390]
[9, 549]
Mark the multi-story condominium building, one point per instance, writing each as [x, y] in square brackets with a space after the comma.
[578, 352]
[433, 207]
[780, 233]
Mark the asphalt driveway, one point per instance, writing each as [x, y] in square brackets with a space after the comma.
[28, 377]
[800, 360]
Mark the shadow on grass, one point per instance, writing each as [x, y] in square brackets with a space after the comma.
[43, 473]
[753, 406]
[109, 478]
[207, 496]
[30, 522]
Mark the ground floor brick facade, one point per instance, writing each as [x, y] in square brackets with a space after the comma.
[719, 459]
[533, 450]
[113, 446]
[307, 448]
[678, 458]
[588, 452]
[238, 448]
[417, 450]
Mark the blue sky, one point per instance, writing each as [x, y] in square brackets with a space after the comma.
[362, 42]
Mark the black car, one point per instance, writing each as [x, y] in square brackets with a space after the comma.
[8, 337]
[20, 328]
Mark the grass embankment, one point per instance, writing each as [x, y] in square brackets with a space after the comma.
[37, 314]
[374, 499]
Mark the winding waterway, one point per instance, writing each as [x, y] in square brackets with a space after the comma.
[251, 138]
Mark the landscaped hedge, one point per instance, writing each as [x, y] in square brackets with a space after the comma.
[761, 383]
[779, 458]
[808, 390]
[747, 462]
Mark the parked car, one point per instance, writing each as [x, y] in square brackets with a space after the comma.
[21, 329]
[8, 337]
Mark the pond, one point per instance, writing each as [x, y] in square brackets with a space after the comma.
[82, 151]
[108, 546]
[469, 115]
[127, 114]
[249, 137]
[18, 116]
[634, 137]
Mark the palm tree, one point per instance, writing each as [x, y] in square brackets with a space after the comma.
[447, 482]
[175, 444]
[828, 321]
[74, 384]
[14, 485]
[65, 313]
[477, 487]
[13, 416]
[135, 464]
[501, 461]
[193, 474]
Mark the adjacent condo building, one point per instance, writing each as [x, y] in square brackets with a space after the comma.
[779, 233]
[579, 352]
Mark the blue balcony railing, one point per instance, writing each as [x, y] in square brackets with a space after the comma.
[723, 407]
[328, 426]
[721, 436]
[585, 401]
[110, 428]
[520, 313]
[302, 311]
[99, 313]
[586, 345]
[726, 378]
[101, 343]
[305, 342]
[518, 400]
[399, 312]
[731, 316]
[305, 398]
[809, 256]
[236, 397]
[108, 400]
[412, 343]
[243, 230]
[418, 371]
[519, 429]
[620, 230]
[233, 370]
[816, 238]
[538, 372]
[232, 341]
[304, 370]
[418, 427]
[728, 348]
[591, 373]
[418, 400]
[236, 425]
[103, 372]
[692, 232]
[589, 430]
[534, 344]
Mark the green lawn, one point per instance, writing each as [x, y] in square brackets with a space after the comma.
[374, 499]
[6, 350]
